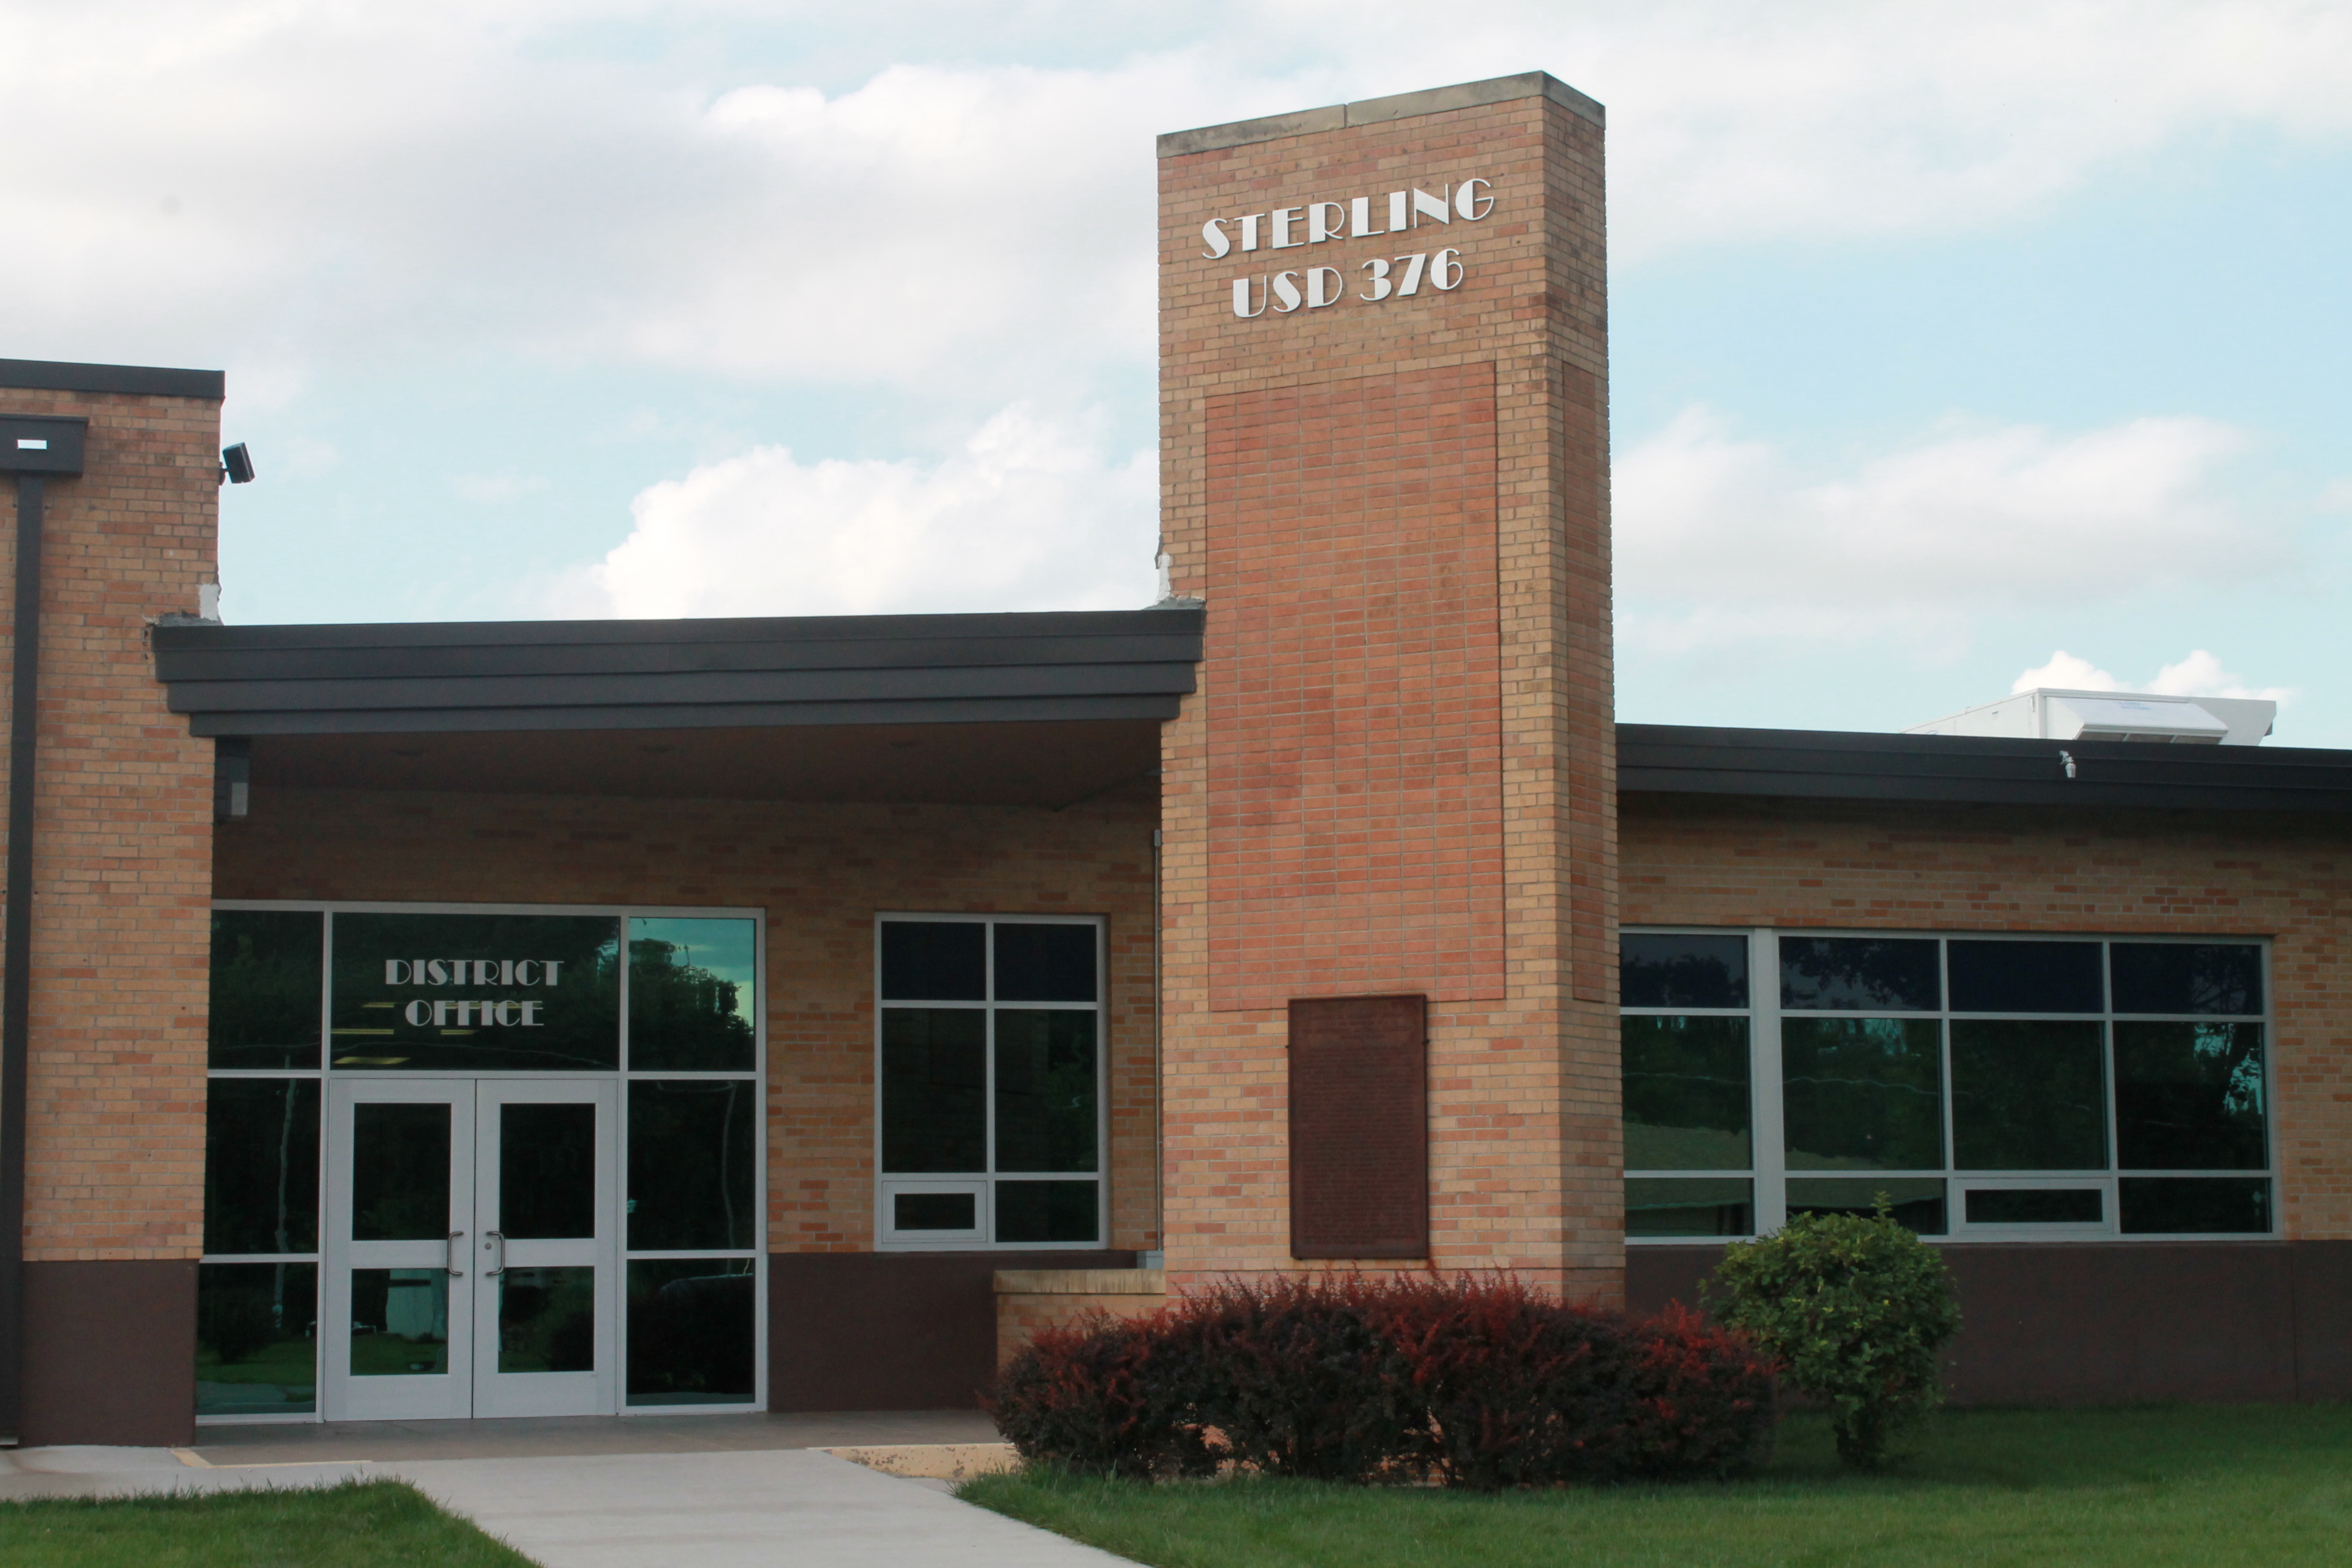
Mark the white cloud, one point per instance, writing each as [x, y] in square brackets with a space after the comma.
[1723, 542]
[1030, 515]
[2199, 675]
[289, 185]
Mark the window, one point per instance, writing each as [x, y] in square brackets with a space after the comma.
[988, 1066]
[1991, 1087]
[302, 997]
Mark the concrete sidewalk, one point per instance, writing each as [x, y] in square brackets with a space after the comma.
[768, 1507]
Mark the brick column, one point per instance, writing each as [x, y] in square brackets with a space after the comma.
[1398, 774]
[122, 888]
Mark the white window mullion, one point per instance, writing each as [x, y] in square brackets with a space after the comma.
[1770, 1145]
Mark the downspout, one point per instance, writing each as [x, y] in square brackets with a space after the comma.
[16, 956]
[1158, 1087]
[34, 448]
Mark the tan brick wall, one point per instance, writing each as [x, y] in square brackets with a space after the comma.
[114, 1151]
[821, 872]
[1944, 868]
[1523, 1085]
[1029, 1300]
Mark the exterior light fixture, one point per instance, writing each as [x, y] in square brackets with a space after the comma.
[237, 464]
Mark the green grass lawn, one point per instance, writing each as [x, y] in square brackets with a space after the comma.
[360, 1524]
[2209, 1486]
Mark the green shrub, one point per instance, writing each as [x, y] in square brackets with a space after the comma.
[1855, 1310]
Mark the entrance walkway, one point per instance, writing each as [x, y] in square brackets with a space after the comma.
[753, 1492]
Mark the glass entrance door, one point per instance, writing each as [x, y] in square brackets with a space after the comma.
[471, 1265]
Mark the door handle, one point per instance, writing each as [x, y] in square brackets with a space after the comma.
[489, 1236]
[449, 1259]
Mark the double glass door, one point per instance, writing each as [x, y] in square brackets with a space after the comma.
[472, 1264]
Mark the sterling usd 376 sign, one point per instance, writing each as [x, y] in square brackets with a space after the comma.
[1328, 222]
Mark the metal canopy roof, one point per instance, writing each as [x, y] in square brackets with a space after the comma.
[678, 674]
[1822, 765]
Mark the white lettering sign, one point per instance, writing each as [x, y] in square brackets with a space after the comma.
[1325, 221]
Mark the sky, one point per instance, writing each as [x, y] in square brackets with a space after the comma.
[1954, 346]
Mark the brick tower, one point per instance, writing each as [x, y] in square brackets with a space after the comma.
[1385, 468]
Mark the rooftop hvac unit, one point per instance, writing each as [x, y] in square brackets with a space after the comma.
[2047, 715]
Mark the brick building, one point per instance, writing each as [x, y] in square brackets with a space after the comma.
[413, 1021]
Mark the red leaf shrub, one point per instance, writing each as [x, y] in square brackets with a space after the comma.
[1477, 1383]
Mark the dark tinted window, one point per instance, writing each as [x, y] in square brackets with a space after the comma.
[934, 1089]
[1046, 1211]
[693, 995]
[1663, 970]
[464, 993]
[1687, 1100]
[1044, 1090]
[547, 1171]
[1703, 1205]
[692, 1338]
[1044, 963]
[1859, 974]
[2189, 1096]
[1863, 1093]
[261, 1165]
[692, 1144]
[2154, 1206]
[257, 1339]
[2186, 977]
[265, 988]
[934, 960]
[1915, 1202]
[935, 1211]
[2024, 976]
[400, 1172]
[2023, 1205]
[2028, 1096]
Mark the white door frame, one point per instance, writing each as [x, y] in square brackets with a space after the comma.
[594, 1393]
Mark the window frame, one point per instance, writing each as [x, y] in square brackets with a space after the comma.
[1770, 1172]
[623, 1074]
[887, 1187]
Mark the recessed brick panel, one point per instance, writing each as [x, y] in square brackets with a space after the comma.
[1359, 1127]
[1356, 773]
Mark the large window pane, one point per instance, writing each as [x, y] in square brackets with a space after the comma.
[1047, 1211]
[1044, 963]
[400, 1323]
[691, 1167]
[2159, 1205]
[1720, 1206]
[400, 1172]
[2025, 976]
[693, 995]
[1862, 1093]
[265, 988]
[934, 1089]
[1045, 1107]
[2028, 1096]
[691, 1331]
[2189, 1096]
[261, 1165]
[257, 1339]
[1863, 974]
[1669, 970]
[547, 1171]
[1686, 1094]
[934, 960]
[2186, 977]
[1915, 1202]
[466, 993]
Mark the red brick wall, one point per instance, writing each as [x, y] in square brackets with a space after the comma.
[820, 872]
[1941, 868]
[122, 825]
[1356, 766]
[1367, 472]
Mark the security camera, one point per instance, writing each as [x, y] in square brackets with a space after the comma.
[237, 464]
